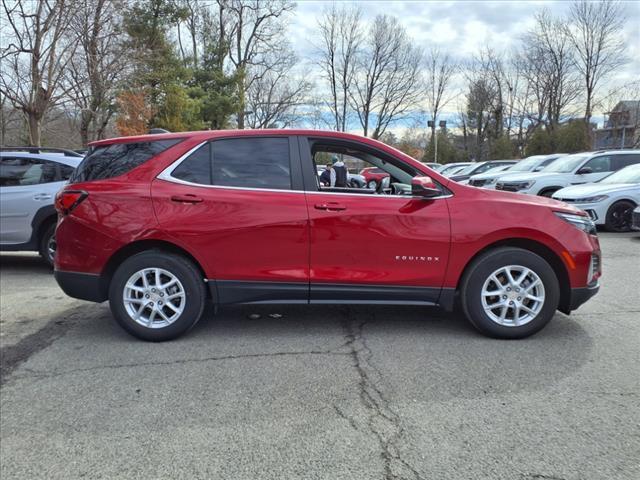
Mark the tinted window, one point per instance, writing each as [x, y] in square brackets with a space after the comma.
[117, 159]
[196, 168]
[16, 171]
[252, 163]
[65, 172]
[621, 161]
[598, 164]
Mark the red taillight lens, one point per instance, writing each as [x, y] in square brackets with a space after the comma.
[67, 200]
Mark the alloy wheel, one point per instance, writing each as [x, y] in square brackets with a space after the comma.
[154, 297]
[513, 295]
[51, 248]
[621, 217]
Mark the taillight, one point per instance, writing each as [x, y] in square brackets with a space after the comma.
[67, 200]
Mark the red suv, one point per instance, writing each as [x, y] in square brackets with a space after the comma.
[161, 224]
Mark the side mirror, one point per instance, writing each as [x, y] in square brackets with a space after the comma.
[424, 187]
[584, 170]
[537, 169]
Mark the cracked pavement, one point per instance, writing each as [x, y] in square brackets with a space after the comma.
[343, 392]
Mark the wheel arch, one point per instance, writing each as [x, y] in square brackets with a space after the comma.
[552, 189]
[538, 248]
[140, 246]
[44, 217]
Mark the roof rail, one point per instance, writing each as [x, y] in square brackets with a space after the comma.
[64, 151]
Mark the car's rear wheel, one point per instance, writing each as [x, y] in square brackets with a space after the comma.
[372, 184]
[510, 293]
[618, 217]
[157, 296]
[47, 246]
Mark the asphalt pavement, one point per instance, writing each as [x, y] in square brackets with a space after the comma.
[321, 392]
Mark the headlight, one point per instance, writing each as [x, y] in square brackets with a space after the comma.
[595, 199]
[583, 223]
[521, 185]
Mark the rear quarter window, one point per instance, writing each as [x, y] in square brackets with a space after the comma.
[116, 159]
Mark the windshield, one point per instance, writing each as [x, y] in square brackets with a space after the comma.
[468, 169]
[565, 165]
[526, 165]
[630, 174]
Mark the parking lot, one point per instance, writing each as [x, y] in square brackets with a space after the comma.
[321, 392]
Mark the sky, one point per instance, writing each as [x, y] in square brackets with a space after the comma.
[463, 27]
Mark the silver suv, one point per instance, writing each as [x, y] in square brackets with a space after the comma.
[29, 181]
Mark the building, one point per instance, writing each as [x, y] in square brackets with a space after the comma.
[622, 129]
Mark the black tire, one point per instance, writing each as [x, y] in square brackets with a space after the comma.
[372, 184]
[548, 192]
[47, 240]
[618, 217]
[480, 270]
[187, 274]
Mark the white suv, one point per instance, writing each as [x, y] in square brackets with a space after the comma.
[29, 181]
[570, 170]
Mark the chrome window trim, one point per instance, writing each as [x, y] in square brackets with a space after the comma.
[166, 176]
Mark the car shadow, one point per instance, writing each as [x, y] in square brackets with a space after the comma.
[24, 263]
[420, 351]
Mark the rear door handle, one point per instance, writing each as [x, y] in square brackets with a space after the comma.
[42, 196]
[330, 206]
[188, 198]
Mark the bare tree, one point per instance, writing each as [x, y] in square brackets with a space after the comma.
[93, 75]
[387, 76]
[275, 98]
[340, 36]
[595, 33]
[439, 72]
[254, 33]
[548, 64]
[35, 58]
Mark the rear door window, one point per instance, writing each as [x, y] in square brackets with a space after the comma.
[116, 159]
[621, 161]
[260, 162]
[196, 168]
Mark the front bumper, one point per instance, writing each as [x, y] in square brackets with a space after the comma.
[85, 286]
[580, 296]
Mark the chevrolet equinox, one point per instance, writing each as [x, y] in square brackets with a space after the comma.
[161, 224]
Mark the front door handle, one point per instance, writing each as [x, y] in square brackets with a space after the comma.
[188, 198]
[42, 196]
[330, 207]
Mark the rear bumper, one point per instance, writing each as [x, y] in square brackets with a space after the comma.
[580, 296]
[85, 286]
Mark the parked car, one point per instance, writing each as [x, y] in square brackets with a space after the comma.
[450, 168]
[535, 163]
[610, 201]
[492, 170]
[373, 176]
[29, 181]
[479, 167]
[635, 219]
[159, 225]
[574, 169]
[433, 165]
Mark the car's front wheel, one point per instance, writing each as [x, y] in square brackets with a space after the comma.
[157, 296]
[510, 293]
[618, 217]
